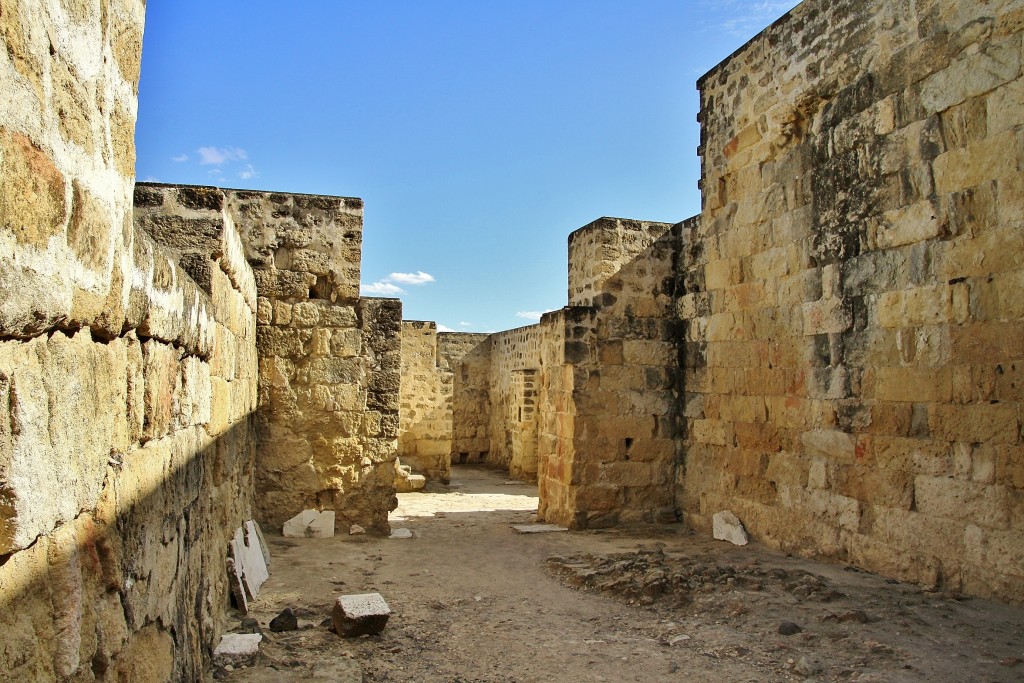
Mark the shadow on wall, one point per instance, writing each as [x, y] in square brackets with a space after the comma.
[136, 589]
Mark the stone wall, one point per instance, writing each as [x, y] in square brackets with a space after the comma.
[125, 385]
[623, 350]
[471, 404]
[585, 401]
[427, 409]
[852, 292]
[514, 379]
[329, 360]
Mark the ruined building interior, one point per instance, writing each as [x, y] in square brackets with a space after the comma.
[833, 349]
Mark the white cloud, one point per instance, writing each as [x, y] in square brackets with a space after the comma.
[444, 328]
[387, 286]
[530, 315]
[465, 324]
[747, 17]
[383, 288]
[216, 156]
[248, 172]
[417, 278]
[180, 158]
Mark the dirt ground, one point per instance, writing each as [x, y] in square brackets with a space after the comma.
[473, 601]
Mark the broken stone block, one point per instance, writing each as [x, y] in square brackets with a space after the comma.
[410, 483]
[727, 527]
[237, 649]
[401, 533]
[356, 530]
[310, 524]
[357, 615]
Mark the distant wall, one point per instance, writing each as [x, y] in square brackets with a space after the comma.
[584, 402]
[471, 403]
[852, 291]
[125, 384]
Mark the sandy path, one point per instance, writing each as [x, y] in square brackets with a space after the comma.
[472, 601]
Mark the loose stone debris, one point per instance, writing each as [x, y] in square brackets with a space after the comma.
[285, 621]
[537, 528]
[310, 524]
[357, 615]
[726, 526]
[649, 575]
[401, 533]
[237, 649]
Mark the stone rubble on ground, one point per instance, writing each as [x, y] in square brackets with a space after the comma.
[357, 615]
[537, 528]
[310, 524]
[285, 621]
[401, 533]
[237, 649]
[356, 530]
[728, 527]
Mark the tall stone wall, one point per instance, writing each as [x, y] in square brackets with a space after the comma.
[515, 376]
[623, 351]
[852, 292]
[329, 361]
[427, 410]
[125, 385]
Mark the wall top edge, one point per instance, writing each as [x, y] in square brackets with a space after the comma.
[348, 200]
[778, 23]
[606, 221]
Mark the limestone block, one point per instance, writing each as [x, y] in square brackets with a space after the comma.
[237, 649]
[249, 559]
[357, 615]
[830, 443]
[310, 524]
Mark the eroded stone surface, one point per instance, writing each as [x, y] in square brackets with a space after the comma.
[357, 615]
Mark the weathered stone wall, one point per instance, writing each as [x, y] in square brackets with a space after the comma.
[125, 386]
[853, 290]
[585, 401]
[513, 393]
[329, 361]
[471, 403]
[427, 425]
[623, 351]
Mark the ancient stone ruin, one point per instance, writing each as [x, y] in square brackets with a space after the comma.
[833, 349]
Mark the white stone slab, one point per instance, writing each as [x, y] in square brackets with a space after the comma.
[310, 524]
[537, 528]
[254, 564]
[401, 533]
[726, 526]
[253, 527]
[363, 605]
[237, 648]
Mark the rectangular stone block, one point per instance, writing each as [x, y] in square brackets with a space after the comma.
[358, 615]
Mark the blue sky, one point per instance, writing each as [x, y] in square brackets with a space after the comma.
[479, 133]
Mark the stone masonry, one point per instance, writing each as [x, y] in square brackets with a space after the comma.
[328, 360]
[428, 379]
[852, 292]
[832, 350]
[126, 386]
